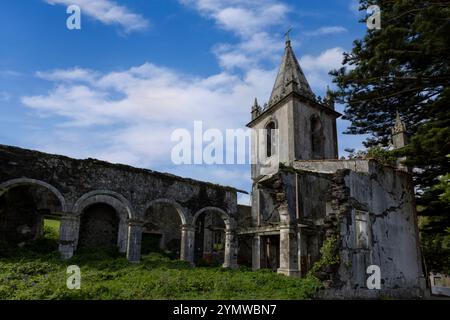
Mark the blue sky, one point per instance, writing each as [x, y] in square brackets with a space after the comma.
[137, 70]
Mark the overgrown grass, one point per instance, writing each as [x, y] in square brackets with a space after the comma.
[104, 276]
[37, 272]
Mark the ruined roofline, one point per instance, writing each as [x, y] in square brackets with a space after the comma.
[332, 165]
[17, 151]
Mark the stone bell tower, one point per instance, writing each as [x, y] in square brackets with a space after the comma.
[293, 125]
[305, 125]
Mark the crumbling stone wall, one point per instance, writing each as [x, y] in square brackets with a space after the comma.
[385, 197]
[363, 211]
[78, 184]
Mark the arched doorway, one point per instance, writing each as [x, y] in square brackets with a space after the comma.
[99, 226]
[112, 201]
[161, 232]
[210, 237]
[29, 211]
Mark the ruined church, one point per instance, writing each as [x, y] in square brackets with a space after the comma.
[302, 197]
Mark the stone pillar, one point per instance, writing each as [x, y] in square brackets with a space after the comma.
[256, 253]
[288, 251]
[208, 239]
[230, 259]
[187, 243]
[68, 234]
[134, 240]
[122, 235]
[302, 252]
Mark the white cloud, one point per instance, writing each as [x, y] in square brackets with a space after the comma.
[144, 104]
[326, 30]
[327, 60]
[250, 52]
[73, 74]
[251, 21]
[316, 68]
[107, 12]
[243, 17]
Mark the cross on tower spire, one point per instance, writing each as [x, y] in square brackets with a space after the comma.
[286, 35]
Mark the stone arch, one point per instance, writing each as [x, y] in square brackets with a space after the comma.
[270, 144]
[5, 186]
[271, 119]
[116, 200]
[230, 250]
[164, 228]
[120, 208]
[229, 223]
[181, 212]
[113, 199]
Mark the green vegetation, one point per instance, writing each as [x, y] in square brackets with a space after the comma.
[51, 229]
[37, 272]
[157, 277]
[382, 155]
[329, 256]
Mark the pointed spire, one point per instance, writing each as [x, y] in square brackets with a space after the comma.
[399, 125]
[290, 77]
[400, 140]
[256, 109]
[399, 136]
[255, 104]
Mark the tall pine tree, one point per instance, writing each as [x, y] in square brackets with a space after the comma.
[404, 67]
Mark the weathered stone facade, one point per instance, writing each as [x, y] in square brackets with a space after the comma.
[99, 202]
[302, 196]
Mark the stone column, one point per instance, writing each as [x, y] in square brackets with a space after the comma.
[68, 234]
[302, 252]
[134, 240]
[256, 253]
[187, 243]
[288, 251]
[230, 259]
